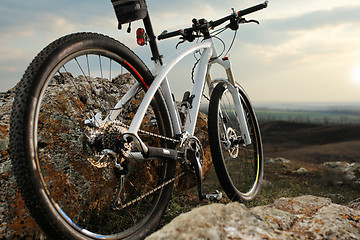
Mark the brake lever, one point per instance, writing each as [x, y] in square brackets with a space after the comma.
[235, 22]
[250, 21]
[181, 42]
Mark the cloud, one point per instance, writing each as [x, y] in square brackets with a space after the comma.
[180, 14]
[296, 40]
[278, 31]
[309, 37]
[318, 19]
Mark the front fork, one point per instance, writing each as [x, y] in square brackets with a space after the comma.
[231, 86]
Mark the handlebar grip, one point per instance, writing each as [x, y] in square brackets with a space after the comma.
[253, 9]
[165, 35]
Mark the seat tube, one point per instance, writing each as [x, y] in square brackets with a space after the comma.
[174, 114]
[156, 57]
[198, 91]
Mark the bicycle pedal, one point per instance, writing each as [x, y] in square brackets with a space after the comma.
[214, 197]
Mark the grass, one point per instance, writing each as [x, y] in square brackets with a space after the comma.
[284, 181]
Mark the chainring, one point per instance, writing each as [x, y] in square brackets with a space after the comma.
[192, 145]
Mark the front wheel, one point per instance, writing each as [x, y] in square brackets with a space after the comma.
[239, 167]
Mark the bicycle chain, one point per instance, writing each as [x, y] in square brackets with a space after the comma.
[158, 187]
[149, 193]
[98, 164]
[153, 134]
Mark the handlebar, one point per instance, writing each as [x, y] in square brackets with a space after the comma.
[165, 34]
[204, 25]
[253, 9]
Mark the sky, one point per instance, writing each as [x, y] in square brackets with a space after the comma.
[303, 51]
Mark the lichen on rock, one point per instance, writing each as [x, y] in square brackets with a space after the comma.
[305, 217]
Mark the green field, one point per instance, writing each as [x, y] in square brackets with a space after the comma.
[326, 117]
[347, 114]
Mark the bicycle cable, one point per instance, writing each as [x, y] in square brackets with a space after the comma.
[218, 31]
[214, 35]
[198, 59]
[232, 43]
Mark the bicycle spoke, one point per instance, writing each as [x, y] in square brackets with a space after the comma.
[110, 71]
[92, 90]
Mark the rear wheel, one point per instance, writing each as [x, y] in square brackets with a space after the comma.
[76, 173]
[239, 167]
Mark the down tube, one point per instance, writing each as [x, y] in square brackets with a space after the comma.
[164, 70]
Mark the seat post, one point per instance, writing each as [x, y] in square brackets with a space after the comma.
[156, 57]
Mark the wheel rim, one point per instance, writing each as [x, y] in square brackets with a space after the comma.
[78, 88]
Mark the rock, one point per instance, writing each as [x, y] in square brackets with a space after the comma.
[276, 218]
[301, 170]
[305, 217]
[216, 221]
[336, 165]
[15, 219]
[266, 183]
[355, 204]
[278, 160]
[282, 160]
[347, 172]
[305, 205]
[331, 222]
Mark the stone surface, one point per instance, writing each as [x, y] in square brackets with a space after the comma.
[355, 204]
[15, 219]
[279, 160]
[348, 172]
[305, 217]
[302, 170]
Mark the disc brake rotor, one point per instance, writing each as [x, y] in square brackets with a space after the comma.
[232, 137]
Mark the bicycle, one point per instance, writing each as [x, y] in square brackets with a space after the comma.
[98, 142]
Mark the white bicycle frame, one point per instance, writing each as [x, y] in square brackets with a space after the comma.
[208, 57]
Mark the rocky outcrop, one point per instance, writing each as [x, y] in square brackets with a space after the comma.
[15, 220]
[306, 217]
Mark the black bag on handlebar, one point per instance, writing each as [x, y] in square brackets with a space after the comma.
[129, 10]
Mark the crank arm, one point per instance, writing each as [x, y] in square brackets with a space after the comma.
[199, 176]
